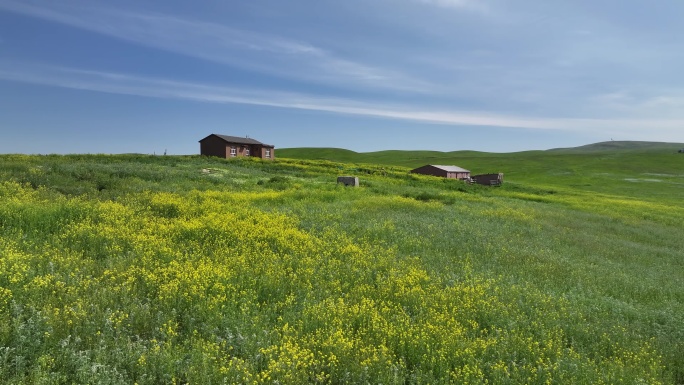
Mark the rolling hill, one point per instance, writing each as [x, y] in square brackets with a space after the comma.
[652, 169]
[624, 146]
[414, 158]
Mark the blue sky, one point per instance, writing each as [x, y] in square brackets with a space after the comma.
[81, 76]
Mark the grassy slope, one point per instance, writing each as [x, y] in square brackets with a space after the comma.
[624, 145]
[567, 263]
[650, 170]
[417, 158]
[603, 173]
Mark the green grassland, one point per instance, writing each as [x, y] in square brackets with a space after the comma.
[183, 269]
[620, 168]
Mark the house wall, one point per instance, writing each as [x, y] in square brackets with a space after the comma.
[214, 146]
[458, 175]
[260, 152]
[254, 150]
[241, 149]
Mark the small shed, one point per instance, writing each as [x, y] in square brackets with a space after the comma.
[681, 151]
[451, 172]
[488, 179]
[225, 146]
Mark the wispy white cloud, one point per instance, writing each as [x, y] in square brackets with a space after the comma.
[449, 3]
[470, 5]
[161, 88]
[261, 52]
[663, 103]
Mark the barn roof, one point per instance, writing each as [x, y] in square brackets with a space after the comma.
[450, 168]
[238, 140]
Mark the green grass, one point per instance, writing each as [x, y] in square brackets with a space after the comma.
[647, 170]
[133, 268]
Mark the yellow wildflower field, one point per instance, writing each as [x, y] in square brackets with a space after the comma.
[302, 281]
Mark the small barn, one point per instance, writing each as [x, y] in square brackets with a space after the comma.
[451, 172]
[225, 146]
[488, 179]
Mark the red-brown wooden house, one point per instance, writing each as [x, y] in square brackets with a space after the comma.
[452, 172]
[225, 146]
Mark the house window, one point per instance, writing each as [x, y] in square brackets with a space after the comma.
[268, 153]
[233, 151]
[246, 151]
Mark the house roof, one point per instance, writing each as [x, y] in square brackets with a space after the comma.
[238, 140]
[450, 168]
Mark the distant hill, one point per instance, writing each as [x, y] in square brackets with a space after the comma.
[319, 153]
[405, 158]
[410, 158]
[623, 145]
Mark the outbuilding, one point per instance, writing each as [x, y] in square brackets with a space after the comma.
[225, 146]
[451, 172]
[495, 179]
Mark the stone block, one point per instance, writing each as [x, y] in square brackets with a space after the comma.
[352, 181]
